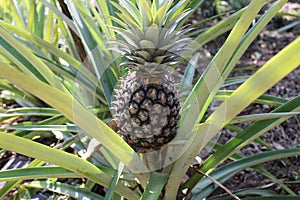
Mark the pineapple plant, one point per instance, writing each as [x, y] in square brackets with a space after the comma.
[145, 31]
[146, 106]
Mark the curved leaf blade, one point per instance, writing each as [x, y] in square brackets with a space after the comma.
[61, 158]
[204, 187]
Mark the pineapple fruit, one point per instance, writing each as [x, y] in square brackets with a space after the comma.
[146, 105]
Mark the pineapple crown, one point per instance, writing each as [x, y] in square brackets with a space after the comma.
[152, 34]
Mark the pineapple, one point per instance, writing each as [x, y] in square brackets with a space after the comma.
[146, 106]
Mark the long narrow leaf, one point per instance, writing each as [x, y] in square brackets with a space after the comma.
[257, 117]
[29, 37]
[215, 31]
[275, 197]
[37, 173]
[97, 53]
[114, 182]
[73, 191]
[61, 158]
[263, 99]
[28, 112]
[204, 187]
[18, 16]
[155, 186]
[13, 183]
[70, 128]
[25, 59]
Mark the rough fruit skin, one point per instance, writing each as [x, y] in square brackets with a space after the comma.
[152, 40]
[146, 112]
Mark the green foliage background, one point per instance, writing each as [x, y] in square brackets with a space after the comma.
[51, 74]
